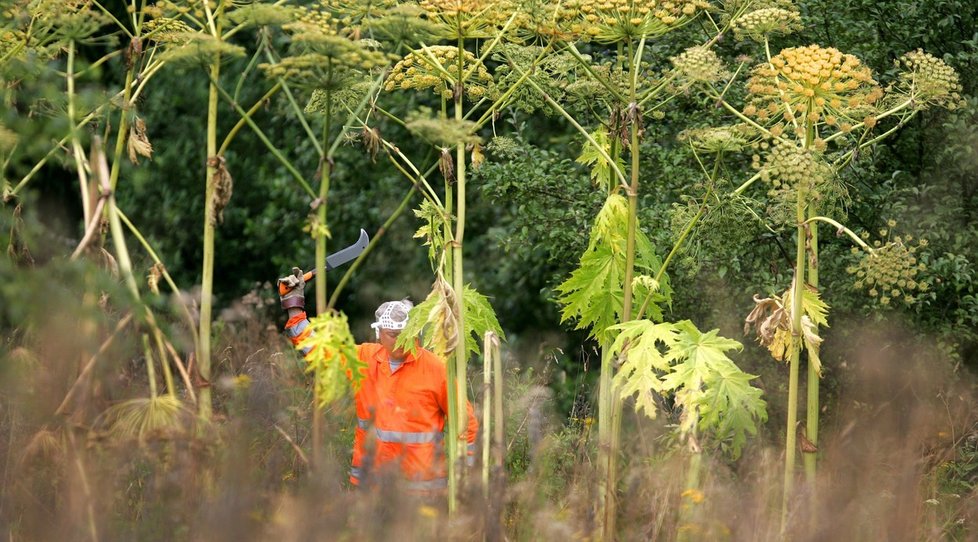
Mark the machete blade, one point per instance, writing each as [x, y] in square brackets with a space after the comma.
[349, 253]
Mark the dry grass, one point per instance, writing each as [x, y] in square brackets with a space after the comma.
[899, 423]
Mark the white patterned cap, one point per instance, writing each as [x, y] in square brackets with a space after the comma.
[392, 315]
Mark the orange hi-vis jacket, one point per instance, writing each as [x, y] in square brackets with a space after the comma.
[401, 415]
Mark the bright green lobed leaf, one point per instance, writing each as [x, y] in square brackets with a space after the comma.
[479, 318]
[602, 173]
[731, 408]
[333, 359]
[419, 318]
[642, 345]
[594, 293]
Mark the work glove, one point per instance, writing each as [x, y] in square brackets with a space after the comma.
[295, 290]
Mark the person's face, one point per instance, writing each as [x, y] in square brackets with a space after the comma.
[387, 339]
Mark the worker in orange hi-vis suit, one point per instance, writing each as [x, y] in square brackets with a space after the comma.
[402, 404]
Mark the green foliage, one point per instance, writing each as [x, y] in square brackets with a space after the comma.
[479, 318]
[594, 293]
[602, 172]
[433, 320]
[333, 359]
[714, 394]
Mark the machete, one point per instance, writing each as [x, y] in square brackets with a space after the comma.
[336, 259]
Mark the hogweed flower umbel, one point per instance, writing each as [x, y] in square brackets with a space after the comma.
[928, 80]
[889, 273]
[440, 72]
[764, 22]
[791, 165]
[718, 139]
[813, 86]
[699, 65]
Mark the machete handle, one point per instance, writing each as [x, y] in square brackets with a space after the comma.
[309, 275]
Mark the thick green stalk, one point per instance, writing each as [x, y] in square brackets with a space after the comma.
[458, 285]
[606, 495]
[812, 381]
[692, 488]
[487, 363]
[812, 411]
[150, 372]
[207, 281]
[325, 166]
[77, 153]
[794, 360]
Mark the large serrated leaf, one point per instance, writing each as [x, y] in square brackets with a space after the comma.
[479, 318]
[602, 172]
[333, 359]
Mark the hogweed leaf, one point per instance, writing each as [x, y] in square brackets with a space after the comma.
[594, 293]
[814, 307]
[772, 319]
[479, 318]
[716, 396]
[641, 345]
[730, 407]
[698, 355]
[333, 359]
[433, 322]
[812, 342]
[602, 173]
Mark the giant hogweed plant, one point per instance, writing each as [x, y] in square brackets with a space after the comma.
[43, 31]
[454, 314]
[624, 92]
[810, 111]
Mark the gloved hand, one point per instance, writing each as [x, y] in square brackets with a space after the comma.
[294, 298]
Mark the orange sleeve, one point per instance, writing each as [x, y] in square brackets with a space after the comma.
[472, 427]
[297, 329]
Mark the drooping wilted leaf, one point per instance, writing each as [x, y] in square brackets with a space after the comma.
[223, 187]
[772, 319]
[333, 360]
[433, 322]
[138, 144]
